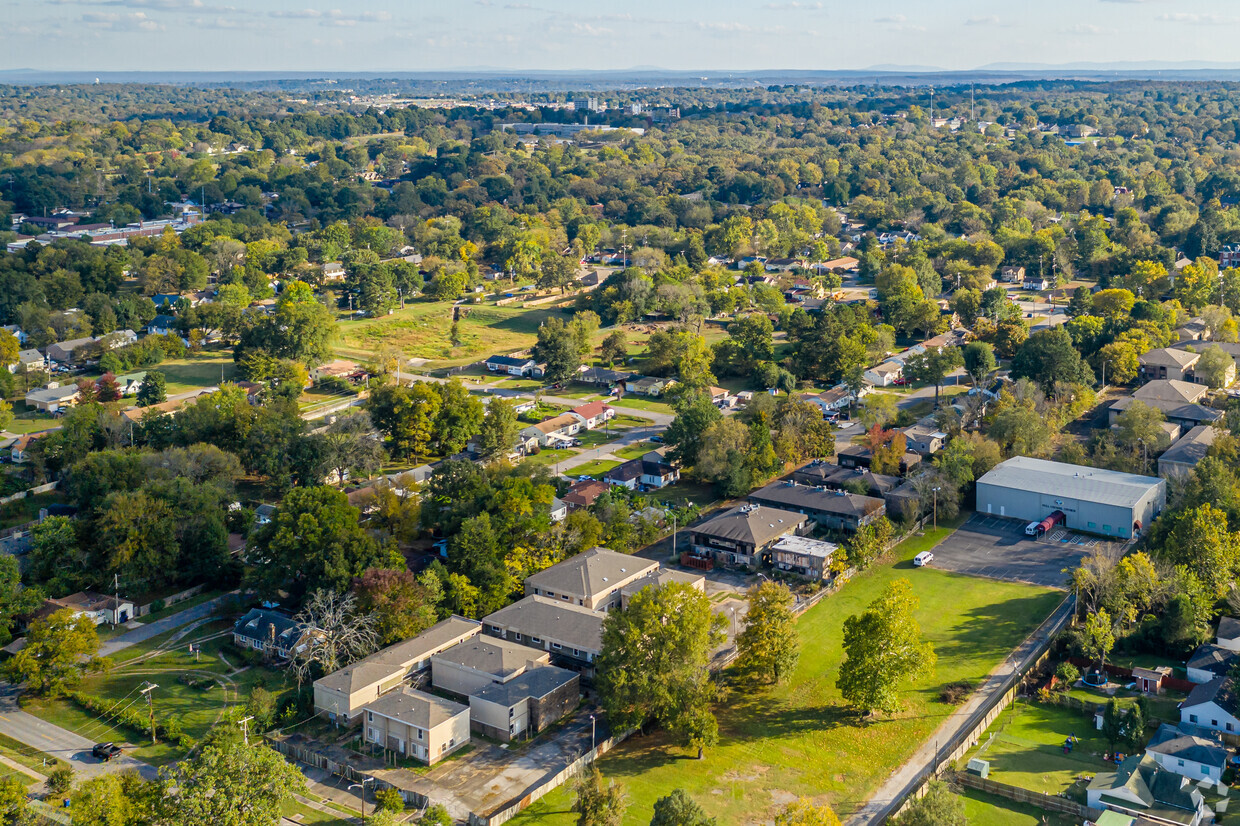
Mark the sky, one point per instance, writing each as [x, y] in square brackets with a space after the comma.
[419, 35]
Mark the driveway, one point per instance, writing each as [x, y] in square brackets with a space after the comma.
[168, 623]
[998, 548]
[58, 742]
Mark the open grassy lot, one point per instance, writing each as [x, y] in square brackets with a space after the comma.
[201, 370]
[196, 707]
[991, 810]
[547, 458]
[595, 468]
[1025, 747]
[799, 739]
[683, 493]
[643, 403]
[28, 420]
[423, 330]
[636, 450]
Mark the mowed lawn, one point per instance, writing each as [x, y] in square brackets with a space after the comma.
[991, 810]
[800, 739]
[1026, 749]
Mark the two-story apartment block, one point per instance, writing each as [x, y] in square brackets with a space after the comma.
[810, 558]
[481, 661]
[1168, 363]
[572, 633]
[592, 579]
[415, 724]
[341, 694]
[835, 510]
[743, 536]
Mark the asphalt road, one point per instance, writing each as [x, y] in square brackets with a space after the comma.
[58, 742]
[168, 623]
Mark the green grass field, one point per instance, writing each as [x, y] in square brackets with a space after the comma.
[595, 468]
[195, 371]
[21, 511]
[642, 403]
[635, 451]
[991, 810]
[548, 458]
[799, 739]
[1027, 747]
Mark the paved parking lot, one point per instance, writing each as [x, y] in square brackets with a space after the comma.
[995, 547]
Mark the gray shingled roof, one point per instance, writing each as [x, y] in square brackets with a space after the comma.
[753, 524]
[1175, 743]
[536, 683]
[395, 659]
[590, 572]
[550, 619]
[1220, 690]
[416, 708]
[791, 495]
[500, 658]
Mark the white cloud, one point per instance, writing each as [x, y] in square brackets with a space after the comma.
[132, 22]
[988, 20]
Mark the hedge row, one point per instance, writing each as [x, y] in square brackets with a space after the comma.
[131, 717]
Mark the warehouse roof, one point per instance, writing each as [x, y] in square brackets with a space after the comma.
[1092, 484]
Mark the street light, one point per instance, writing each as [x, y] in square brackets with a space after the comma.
[362, 786]
[592, 727]
[936, 508]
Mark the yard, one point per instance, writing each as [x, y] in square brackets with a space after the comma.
[991, 810]
[799, 739]
[1025, 747]
[643, 403]
[595, 468]
[197, 707]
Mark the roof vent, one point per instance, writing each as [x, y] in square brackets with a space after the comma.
[604, 579]
[624, 570]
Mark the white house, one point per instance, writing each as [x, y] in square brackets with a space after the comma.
[1213, 705]
[593, 415]
[1035, 284]
[885, 374]
[510, 365]
[1189, 755]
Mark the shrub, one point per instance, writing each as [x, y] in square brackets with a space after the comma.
[60, 780]
[955, 693]
[436, 815]
[1068, 674]
[389, 799]
[158, 605]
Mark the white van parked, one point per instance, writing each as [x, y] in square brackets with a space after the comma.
[923, 558]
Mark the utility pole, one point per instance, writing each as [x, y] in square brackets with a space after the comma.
[116, 606]
[245, 731]
[150, 707]
[936, 508]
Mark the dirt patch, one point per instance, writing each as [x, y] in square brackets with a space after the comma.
[782, 798]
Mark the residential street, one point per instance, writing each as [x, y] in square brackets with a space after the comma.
[908, 777]
[58, 742]
[167, 623]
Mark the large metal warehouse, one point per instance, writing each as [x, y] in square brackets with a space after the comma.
[1092, 500]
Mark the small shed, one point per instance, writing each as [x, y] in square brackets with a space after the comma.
[1150, 680]
[981, 768]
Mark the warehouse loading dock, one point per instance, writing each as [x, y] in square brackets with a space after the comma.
[1092, 500]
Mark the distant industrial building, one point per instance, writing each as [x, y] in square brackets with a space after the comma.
[1093, 500]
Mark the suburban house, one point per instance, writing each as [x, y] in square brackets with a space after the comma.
[558, 509]
[601, 376]
[899, 494]
[583, 494]
[1194, 756]
[592, 579]
[162, 325]
[885, 374]
[572, 633]
[526, 704]
[512, 365]
[744, 535]
[556, 429]
[1182, 457]
[860, 456]
[418, 725]
[1168, 363]
[1228, 635]
[1178, 400]
[68, 352]
[651, 471]
[648, 385]
[834, 510]
[116, 339]
[19, 453]
[333, 271]
[129, 383]
[810, 558]
[53, 397]
[1012, 275]
[1035, 283]
[271, 633]
[924, 437]
[1141, 787]
[1210, 661]
[341, 694]
[831, 401]
[657, 579]
[30, 360]
[594, 414]
[481, 661]
[1213, 705]
[98, 608]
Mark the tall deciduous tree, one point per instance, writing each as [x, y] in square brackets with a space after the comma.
[500, 429]
[598, 803]
[979, 360]
[1202, 542]
[655, 663]
[1048, 357]
[883, 649]
[51, 662]
[557, 346]
[230, 784]
[932, 366]
[342, 633]
[769, 645]
[937, 807]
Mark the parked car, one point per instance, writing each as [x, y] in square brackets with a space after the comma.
[106, 751]
[923, 558]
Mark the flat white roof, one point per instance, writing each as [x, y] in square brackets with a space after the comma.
[1092, 484]
[806, 546]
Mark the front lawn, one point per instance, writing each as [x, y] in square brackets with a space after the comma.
[984, 809]
[799, 739]
[547, 458]
[595, 468]
[636, 450]
[640, 403]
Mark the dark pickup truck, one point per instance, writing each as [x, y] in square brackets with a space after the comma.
[106, 751]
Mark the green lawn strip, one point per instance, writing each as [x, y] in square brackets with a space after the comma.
[799, 739]
[29, 756]
[1026, 748]
[314, 816]
[984, 809]
[1165, 706]
[639, 403]
[30, 422]
[635, 451]
[594, 468]
[624, 422]
[547, 458]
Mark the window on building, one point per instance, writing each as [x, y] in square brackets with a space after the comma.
[556, 646]
[1090, 525]
[1106, 527]
[420, 733]
[1214, 723]
[1192, 718]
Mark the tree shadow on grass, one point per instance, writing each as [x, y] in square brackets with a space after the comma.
[990, 632]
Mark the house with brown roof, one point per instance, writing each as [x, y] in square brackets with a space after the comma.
[835, 510]
[556, 429]
[1168, 363]
[583, 494]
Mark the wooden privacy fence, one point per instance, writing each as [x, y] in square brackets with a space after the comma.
[1120, 672]
[1043, 800]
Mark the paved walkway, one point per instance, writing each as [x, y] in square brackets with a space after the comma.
[908, 777]
[153, 629]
